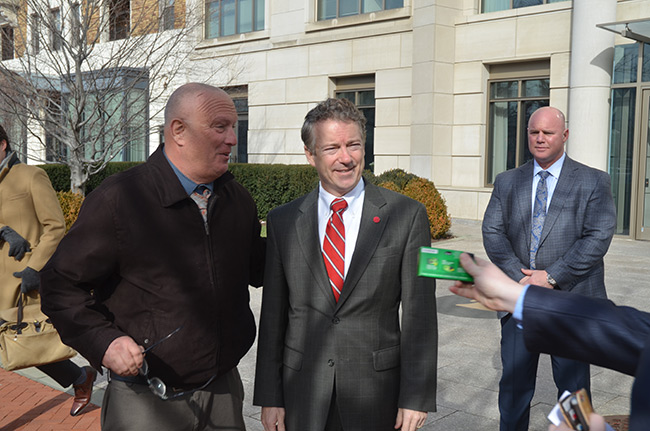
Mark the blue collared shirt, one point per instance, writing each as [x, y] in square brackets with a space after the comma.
[188, 185]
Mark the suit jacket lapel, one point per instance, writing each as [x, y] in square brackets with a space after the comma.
[560, 196]
[374, 219]
[307, 229]
[523, 200]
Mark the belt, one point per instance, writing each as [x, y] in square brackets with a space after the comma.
[138, 380]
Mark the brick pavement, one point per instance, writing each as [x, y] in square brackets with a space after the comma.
[27, 405]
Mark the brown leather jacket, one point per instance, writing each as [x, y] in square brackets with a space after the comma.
[140, 262]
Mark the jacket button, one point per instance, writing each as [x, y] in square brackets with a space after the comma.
[336, 320]
[330, 362]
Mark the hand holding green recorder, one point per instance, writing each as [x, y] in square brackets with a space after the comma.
[442, 263]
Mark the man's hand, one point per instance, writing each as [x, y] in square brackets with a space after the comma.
[273, 418]
[538, 277]
[18, 245]
[29, 279]
[123, 356]
[409, 420]
[596, 423]
[491, 287]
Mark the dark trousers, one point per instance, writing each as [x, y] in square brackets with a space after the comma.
[65, 372]
[133, 407]
[517, 385]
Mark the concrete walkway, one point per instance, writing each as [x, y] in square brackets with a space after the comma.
[469, 364]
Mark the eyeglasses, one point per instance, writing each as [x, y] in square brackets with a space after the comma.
[156, 385]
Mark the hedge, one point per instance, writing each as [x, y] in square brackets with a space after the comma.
[274, 185]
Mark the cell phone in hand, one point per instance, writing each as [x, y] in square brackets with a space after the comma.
[576, 408]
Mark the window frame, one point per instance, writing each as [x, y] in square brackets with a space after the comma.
[360, 9]
[258, 18]
[520, 72]
[7, 43]
[512, 6]
[119, 19]
[167, 15]
[56, 29]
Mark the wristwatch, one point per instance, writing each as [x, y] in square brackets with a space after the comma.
[550, 280]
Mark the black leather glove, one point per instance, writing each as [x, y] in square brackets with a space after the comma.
[18, 245]
[30, 279]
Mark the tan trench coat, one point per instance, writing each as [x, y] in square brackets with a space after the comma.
[29, 205]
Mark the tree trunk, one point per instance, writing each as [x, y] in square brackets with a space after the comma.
[78, 177]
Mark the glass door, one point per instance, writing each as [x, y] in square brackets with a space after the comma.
[643, 213]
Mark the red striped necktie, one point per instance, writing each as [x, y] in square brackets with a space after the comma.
[334, 246]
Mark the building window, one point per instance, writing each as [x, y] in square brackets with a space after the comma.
[55, 150]
[511, 103]
[239, 95]
[119, 19]
[7, 42]
[330, 9]
[55, 29]
[228, 17]
[167, 15]
[360, 90]
[116, 121]
[36, 33]
[496, 5]
[630, 77]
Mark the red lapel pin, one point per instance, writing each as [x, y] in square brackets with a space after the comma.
[376, 219]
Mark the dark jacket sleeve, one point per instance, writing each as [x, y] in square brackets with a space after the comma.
[583, 328]
[78, 272]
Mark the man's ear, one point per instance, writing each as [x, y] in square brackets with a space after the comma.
[310, 156]
[177, 130]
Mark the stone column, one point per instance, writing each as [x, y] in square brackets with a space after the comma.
[590, 76]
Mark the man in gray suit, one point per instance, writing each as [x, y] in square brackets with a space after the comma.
[548, 223]
[332, 354]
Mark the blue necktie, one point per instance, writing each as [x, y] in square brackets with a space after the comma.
[539, 214]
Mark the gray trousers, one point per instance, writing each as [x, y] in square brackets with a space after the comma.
[131, 406]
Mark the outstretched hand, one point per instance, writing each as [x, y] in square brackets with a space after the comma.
[491, 286]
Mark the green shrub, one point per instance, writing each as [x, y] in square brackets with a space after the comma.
[423, 190]
[274, 185]
[398, 177]
[70, 205]
[60, 175]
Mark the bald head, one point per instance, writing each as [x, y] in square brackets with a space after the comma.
[188, 94]
[200, 125]
[549, 111]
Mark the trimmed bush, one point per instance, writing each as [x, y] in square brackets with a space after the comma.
[275, 185]
[423, 190]
[70, 205]
[60, 175]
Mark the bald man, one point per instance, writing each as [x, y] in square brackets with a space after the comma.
[549, 222]
[152, 280]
